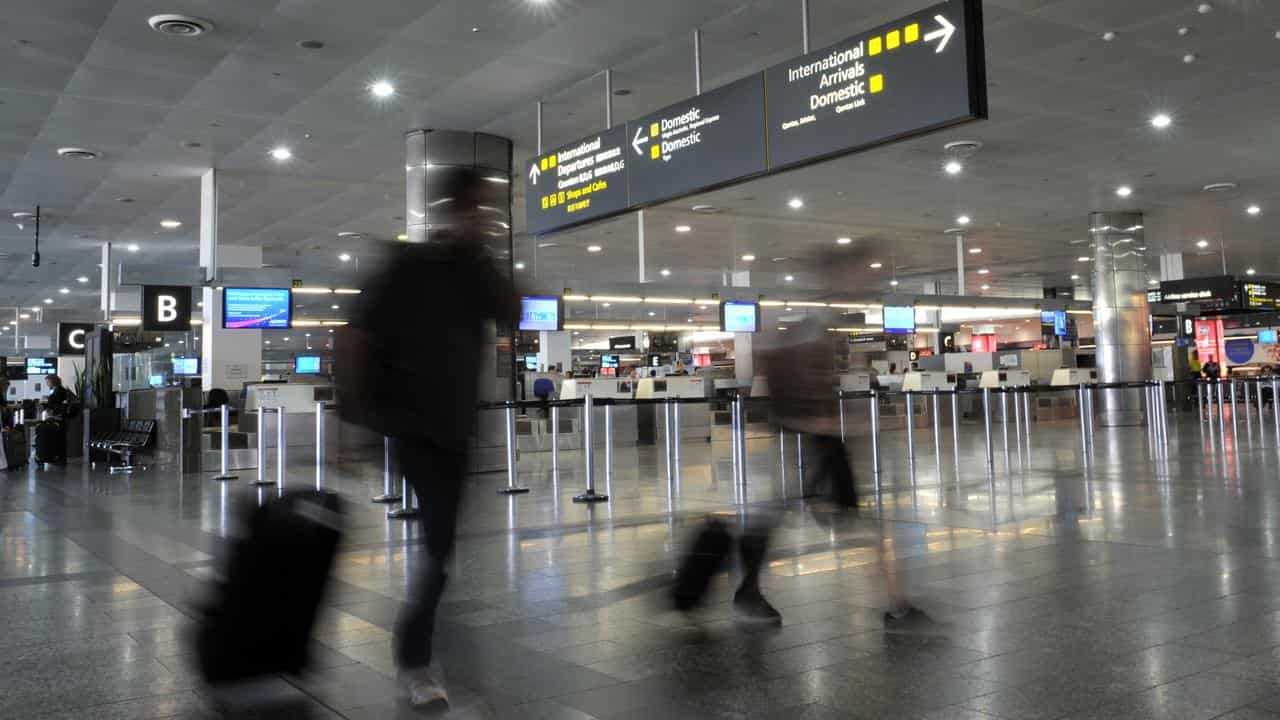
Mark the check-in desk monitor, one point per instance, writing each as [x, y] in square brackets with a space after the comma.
[1063, 377]
[926, 381]
[1005, 378]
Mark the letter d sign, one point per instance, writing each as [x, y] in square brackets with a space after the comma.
[166, 308]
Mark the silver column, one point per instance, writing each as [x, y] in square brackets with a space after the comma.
[224, 457]
[911, 432]
[319, 446]
[262, 450]
[1120, 313]
[388, 493]
[875, 437]
[986, 427]
[588, 456]
[280, 448]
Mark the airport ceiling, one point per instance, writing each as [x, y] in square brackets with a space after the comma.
[1073, 85]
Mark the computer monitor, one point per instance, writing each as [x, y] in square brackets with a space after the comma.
[541, 313]
[41, 366]
[186, 366]
[609, 361]
[306, 365]
[257, 308]
[530, 362]
[737, 316]
[899, 320]
[1266, 337]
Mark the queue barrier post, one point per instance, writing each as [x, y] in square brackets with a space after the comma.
[986, 425]
[1004, 420]
[512, 488]
[588, 456]
[675, 439]
[319, 445]
[911, 431]
[875, 438]
[666, 434]
[388, 494]
[1083, 407]
[262, 450]
[280, 448]
[937, 436]
[224, 455]
[408, 502]
[555, 440]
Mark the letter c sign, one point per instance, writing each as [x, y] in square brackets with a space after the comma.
[72, 336]
[166, 308]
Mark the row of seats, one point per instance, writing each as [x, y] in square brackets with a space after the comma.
[133, 436]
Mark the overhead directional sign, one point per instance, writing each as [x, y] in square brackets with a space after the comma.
[712, 139]
[575, 183]
[917, 74]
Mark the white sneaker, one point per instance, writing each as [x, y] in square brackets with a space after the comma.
[424, 687]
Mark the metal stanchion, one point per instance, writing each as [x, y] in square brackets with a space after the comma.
[840, 406]
[608, 446]
[1026, 416]
[1088, 401]
[1084, 423]
[666, 434]
[1220, 389]
[1233, 404]
[1275, 406]
[408, 502]
[675, 439]
[512, 488]
[1248, 399]
[1017, 421]
[733, 439]
[911, 431]
[262, 450]
[875, 437]
[555, 440]
[319, 446]
[986, 424]
[388, 494]
[588, 459]
[280, 448]
[937, 437]
[224, 420]
[742, 443]
[800, 455]
[1262, 415]
[955, 432]
[1004, 420]
[1200, 400]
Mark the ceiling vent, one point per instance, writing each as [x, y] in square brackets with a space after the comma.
[183, 25]
[962, 149]
[1220, 187]
[705, 209]
[72, 153]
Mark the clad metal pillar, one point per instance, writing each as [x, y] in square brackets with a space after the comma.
[1120, 313]
[434, 162]
[960, 264]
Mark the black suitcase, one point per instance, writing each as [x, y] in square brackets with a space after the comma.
[49, 439]
[15, 449]
[260, 620]
[704, 560]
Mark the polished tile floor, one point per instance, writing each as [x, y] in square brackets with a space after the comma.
[1140, 581]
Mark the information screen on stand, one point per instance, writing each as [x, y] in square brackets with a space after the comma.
[538, 313]
[739, 317]
[261, 308]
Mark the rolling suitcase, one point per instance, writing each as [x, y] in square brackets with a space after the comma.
[704, 560]
[48, 441]
[15, 449]
[260, 620]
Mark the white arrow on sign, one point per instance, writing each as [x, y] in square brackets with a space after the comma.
[637, 141]
[945, 32]
[534, 173]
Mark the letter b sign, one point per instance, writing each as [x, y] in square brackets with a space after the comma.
[166, 308]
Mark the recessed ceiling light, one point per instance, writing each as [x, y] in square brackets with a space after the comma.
[1204, 8]
[282, 153]
[74, 153]
[334, 307]
[1161, 121]
[1190, 58]
[344, 257]
[652, 313]
[180, 25]
[171, 224]
[983, 271]
[1250, 271]
[1083, 258]
[1202, 243]
[35, 309]
[702, 307]
[1254, 210]
[82, 279]
[683, 228]
[953, 167]
[748, 258]
[986, 287]
[789, 278]
[402, 236]
[475, 29]
[876, 265]
[795, 203]
[1075, 277]
[1124, 191]
[64, 291]
[268, 342]
[893, 283]
[844, 240]
[48, 301]
[1108, 36]
[519, 266]
[382, 89]
[964, 220]
[594, 248]
[286, 339]
[975, 251]
[24, 316]
[132, 247]
[665, 272]
[605, 304]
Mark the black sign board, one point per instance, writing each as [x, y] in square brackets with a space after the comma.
[579, 182]
[1260, 295]
[917, 74]
[626, 342]
[711, 139]
[866, 338]
[71, 337]
[166, 308]
[1217, 291]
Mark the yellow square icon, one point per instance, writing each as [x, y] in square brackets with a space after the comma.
[892, 40]
[544, 164]
[551, 161]
[653, 130]
[560, 199]
[877, 83]
[912, 33]
[546, 203]
[873, 46]
[552, 200]
[655, 151]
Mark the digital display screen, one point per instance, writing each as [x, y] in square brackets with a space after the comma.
[41, 366]
[540, 314]
[899, 320]
[306, 365]
[530, 362]
[257, 308]
[1055, 318]
[186, 366]
[1266, 337]
[739, 317]
[155, 380]
[608, 361]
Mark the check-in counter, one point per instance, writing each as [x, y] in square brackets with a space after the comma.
[893, 411]
[299, 404]
[695, 418]
[1063, 405]
[624, 416]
